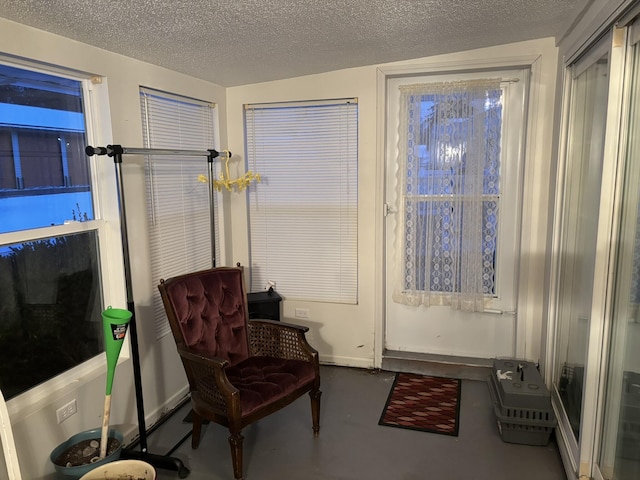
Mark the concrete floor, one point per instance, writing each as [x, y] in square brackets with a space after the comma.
[352, 445]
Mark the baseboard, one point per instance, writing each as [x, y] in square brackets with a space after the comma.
[156, 417]
[465, 368]
[341, 361]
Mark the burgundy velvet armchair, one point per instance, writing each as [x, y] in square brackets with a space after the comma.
[239, 370]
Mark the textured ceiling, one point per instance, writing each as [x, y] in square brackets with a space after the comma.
[236, 42]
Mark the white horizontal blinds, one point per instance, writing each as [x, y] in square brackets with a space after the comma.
[177, 203]
[303, 215]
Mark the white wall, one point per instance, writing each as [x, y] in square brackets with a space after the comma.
[350, 334]
[344, 334]
[164, 383]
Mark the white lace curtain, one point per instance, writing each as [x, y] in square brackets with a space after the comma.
[449, 193]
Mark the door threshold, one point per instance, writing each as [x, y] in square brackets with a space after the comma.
[465, 368]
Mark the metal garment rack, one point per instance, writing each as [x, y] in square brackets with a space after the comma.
[117, 151]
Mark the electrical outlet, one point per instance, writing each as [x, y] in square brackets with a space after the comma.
[66, 410]
[302, 313]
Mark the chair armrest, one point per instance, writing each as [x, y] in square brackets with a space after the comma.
[209, 378]
[280, 340]
[213, 362]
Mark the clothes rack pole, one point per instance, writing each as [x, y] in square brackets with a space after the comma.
[116, 151]
[212, 214]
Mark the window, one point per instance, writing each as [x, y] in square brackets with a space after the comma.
[43, 168]
[303, 215]
[452, 179]
[178, 204]
[50, 284]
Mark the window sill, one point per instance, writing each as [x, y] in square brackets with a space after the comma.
[38, 397]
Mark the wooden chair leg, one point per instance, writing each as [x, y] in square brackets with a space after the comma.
[315, 410]
[196, 430]
[235, 442]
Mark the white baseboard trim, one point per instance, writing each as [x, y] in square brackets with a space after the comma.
[132, 433]
[346, 361]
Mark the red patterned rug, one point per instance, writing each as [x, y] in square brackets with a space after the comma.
[420, 402]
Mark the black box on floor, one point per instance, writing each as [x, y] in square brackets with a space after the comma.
[522, 403]
[264, 305]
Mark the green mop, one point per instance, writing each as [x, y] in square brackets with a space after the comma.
[115, 322]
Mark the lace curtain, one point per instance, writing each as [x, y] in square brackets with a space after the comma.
[449, 181]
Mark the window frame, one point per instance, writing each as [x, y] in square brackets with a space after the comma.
[514, 112]
[105, 223]
[449, 200]
[157, 103]
[343, 293]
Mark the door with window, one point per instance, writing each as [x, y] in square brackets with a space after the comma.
[453, 187]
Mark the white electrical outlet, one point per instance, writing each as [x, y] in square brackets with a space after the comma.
[66, 410]
[302, 313]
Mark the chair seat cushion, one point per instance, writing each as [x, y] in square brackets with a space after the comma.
[265, 380]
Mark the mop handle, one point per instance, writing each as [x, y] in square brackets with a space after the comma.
[105, 426]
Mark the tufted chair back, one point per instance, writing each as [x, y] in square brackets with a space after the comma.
[209, 314]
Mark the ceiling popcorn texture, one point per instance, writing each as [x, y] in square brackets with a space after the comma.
[236, 42]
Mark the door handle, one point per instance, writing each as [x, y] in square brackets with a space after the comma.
[389, 209]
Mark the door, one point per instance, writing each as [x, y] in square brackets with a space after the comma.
[589, 184]
[582, 188]
[620, 451]
[439, 329]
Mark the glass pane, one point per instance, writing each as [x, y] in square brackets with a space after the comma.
[50, 309]
[445, 121]
[178, 204]
[440, 217]
[434, 206]
[580, 224]
[43, 168]
[620, 454]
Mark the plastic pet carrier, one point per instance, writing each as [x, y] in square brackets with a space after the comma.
[522, 402]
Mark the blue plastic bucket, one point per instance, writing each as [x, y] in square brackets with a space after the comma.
[80, 470]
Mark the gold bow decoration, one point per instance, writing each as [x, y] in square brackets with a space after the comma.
[225, 181]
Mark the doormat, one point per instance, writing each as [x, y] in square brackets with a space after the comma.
[424, 403]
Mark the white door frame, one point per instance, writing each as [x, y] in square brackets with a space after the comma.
[542, 60]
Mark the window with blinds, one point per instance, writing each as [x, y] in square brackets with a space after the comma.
[303, 216]
[178, 204]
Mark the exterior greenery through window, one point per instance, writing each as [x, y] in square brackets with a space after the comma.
[50, 289]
